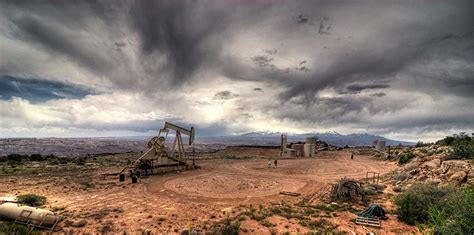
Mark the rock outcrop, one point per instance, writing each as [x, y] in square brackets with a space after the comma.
[431, 167]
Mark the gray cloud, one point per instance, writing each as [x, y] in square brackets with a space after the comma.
[356, 88]
[380, 94]
[225, 95]
[183, 31]
[39, 90]
[60, 40]
[321, 63]
[263, 61]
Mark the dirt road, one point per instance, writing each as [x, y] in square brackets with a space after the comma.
[171, 203]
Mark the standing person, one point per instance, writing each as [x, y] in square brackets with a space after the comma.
[270, 164]
[276, 163]
[352, 156]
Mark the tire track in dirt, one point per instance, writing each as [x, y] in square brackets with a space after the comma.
[225, 179]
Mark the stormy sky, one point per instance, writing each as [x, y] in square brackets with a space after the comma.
[401, 69]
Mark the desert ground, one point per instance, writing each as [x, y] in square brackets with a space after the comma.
[221, 188]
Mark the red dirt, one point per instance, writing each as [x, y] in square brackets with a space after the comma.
[173, 202]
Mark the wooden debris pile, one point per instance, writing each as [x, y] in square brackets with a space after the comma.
[347, 190]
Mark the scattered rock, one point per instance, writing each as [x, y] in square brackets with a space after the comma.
[68, 223]
[80, 223]
[452, 166]
[458, 177]
[433, 181]
[422, 177]
[397, 189]
[433, 164]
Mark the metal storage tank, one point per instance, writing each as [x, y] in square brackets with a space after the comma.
[284, 142]
[380, 145]
[309, 150]
[299, 149]
[36, 216]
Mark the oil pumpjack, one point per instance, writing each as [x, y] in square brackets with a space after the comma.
[160, 159]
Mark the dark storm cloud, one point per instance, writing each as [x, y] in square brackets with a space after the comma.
[38, 90]
[452, 72]
[215, 129]
[263, 61]
[302, 49]
[57, 39]
[329, 109]
[180, 30]
[356, 88]
[388, 54]
[225, 95]
[301, 19]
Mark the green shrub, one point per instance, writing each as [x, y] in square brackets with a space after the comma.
[267, 223]
[36, 157]
[456, 216]
[317, 224]
[413, 204]
[11, 228]
[447, 141]
[463, 151]
[31, 199]
[80, 161]
[227, 227]
[369, 190]
[17, 157]
[405, 157]
[421, 144]
[463, 146]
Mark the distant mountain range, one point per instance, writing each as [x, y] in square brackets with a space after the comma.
[84, 146]
[273, 138]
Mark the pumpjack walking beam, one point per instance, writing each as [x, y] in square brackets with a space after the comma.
[178, 141]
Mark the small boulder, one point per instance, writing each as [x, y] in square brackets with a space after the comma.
[458, 177]
[455, 166]
[433, 164]
[433, 181]
[80, 223]
[411, 165]
[422, 177]
[68, 223]
[470, 178]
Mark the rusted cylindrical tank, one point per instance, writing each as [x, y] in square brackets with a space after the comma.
[309, 150]
[299, 149]
[35, 215]
[309, 146]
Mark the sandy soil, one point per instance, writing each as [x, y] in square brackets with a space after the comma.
[174, 202]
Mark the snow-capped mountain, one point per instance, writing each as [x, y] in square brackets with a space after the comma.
[273, 138]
